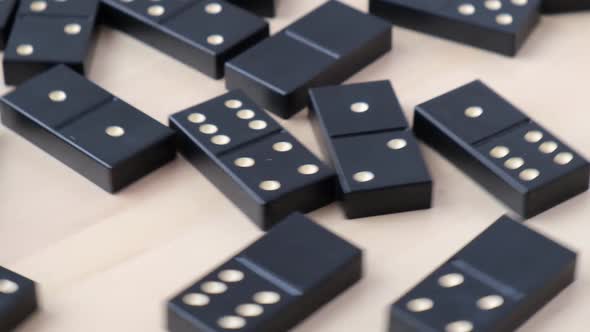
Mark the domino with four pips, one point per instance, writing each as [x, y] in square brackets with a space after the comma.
[494, 284]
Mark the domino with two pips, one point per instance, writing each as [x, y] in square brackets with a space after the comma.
[96, 134]
[500, 26]
[251, 159]
[259, 7]
[277, 72]
[18, 299]
[494, 284]
[203, 34]
[272, 285]
[47, 33]
[365, 134]
[514, 158]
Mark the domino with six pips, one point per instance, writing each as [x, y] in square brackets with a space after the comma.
[251, 159]
[517, 160]
[364, 132]
[49, 33]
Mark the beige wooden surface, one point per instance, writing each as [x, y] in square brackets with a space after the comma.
[108, 263]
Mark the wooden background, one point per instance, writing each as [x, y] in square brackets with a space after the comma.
[108, 263]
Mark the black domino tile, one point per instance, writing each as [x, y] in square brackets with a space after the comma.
[271, 285]
[498, 26]
[495, 283]
[48, 33]
[259, 7]
[7, 10]
[564, 6]
[363, 131]
[512, 157]
[18, 299]
[278, 72]
[99, 136]
[251, 159]
[202, 34]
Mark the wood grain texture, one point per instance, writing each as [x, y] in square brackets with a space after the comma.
[108, 263]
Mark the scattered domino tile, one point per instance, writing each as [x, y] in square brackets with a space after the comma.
[277, 72]
[366, 136]
[202, 34]
[497, 25]
[515, 159]
[18, 299]
[251, 159]
[96, 134]
[496, 283]
[48, 33]
[271, 285]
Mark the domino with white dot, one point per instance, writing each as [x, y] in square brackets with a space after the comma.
[514, 158]
[47, 33]
[101, 137]
[500, 26]
[494, 284]
[18, 299]
[203, 34]
[366, 136]
[251, 159]
[271, 285]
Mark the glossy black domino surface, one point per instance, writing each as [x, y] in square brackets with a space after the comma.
[203, 34]
[251, 159]
[494, 284]
[7, 10]
[277, 72]
[498, 26]
[518, 161]
[364, 133]
[96, 134]
[259, 7]
[561, 6]
[48, 33]
[272, 285]
[18, 299]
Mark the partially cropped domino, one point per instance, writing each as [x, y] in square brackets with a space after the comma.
[18, 299]
[271, 285]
